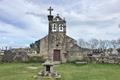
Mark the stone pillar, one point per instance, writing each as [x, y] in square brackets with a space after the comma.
[48, 72]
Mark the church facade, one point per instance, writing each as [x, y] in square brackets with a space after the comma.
[57, 46]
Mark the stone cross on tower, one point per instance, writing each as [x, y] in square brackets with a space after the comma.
[50, 10]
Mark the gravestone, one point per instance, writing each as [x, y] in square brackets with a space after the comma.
[48, 72]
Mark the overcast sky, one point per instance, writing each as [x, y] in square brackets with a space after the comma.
[25, 21]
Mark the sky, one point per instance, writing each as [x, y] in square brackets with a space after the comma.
[24, 21]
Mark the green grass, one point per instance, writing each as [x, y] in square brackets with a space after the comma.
[20, 71]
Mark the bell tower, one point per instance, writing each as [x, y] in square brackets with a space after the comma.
[56, 36]
[56, 24]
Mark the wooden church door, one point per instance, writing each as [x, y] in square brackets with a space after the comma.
[56, 55]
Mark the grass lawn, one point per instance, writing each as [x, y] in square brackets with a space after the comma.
[22, 71]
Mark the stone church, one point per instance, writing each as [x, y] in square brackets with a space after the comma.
[57, 46]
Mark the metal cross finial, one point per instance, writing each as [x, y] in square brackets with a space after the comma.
[50, 10]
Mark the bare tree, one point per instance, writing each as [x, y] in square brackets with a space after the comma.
[82, 43]
[118, 43]
[93, 43]
[103, 44]
[114, 43]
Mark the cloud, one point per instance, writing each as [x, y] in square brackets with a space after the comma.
[17, 26]
[25, 21]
